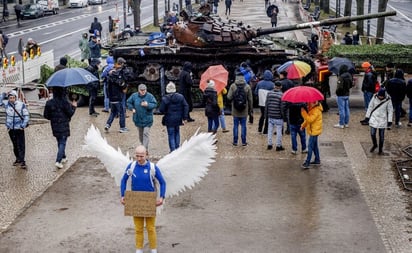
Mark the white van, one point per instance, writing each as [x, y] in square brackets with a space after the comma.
[49, 6]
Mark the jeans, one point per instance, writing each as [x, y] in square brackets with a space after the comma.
[18, 139]
[367, 96]
[242, 122]
[116, 108]
[61, 148]
[151, 231]
[294, 131]
[343, 106]
[381, 136]
[313, 147]
[397, 107]
[173, 134]
[222, 119]
[272, 122]
[212, 124]
[410, 110]
[263, 124]
[106, 100]
[144, 135]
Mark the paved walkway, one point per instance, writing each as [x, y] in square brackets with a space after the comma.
[387, 202]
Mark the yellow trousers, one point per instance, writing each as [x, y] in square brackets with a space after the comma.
[151, 231]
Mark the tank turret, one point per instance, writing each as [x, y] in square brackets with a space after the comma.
[206, 31]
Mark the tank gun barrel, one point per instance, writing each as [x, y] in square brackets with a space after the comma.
[325, 22]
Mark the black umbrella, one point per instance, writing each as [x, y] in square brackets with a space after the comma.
[336, 62]
[70, 76]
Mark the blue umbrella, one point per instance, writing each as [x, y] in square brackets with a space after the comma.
[335, 63]
[70, 76]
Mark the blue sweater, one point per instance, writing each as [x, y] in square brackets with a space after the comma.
[144, 115]
[141, 179]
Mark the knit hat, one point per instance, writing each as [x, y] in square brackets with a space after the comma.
[12, 93]
[171, 87]
[142, 87]
[211, 84]
[382, 92]
[278, 84]
[63, 61]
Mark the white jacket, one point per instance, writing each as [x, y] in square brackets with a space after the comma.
[382, 115]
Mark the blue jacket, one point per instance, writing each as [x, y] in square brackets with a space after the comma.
[143, 117]
[175, 109]
[13, 120]
[142, 179]
[94, 49]
[264, 86]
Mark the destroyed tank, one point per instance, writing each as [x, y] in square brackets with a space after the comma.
[206, 40]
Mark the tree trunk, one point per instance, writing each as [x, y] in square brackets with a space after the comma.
[136, 13]
[325, 6]
[347, 11]
[380, 29]
[360, 9]
[156, 12]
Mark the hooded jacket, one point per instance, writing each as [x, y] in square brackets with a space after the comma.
[380, 117]
[175, 109]
[345, 82]
[59, 111]
[312, 120]
[396, 87]
[240, 83]
[264, 86]
[13, 120]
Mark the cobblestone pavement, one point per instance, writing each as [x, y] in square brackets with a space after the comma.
[388, 203]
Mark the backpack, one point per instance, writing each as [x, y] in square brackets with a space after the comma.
[5, 39]
[239, 98]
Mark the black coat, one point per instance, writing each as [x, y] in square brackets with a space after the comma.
[59, 111]
[175, 109]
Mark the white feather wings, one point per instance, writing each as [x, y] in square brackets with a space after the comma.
[181, 169]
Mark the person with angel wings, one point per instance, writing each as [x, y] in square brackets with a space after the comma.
[143, 173]
[181, 169]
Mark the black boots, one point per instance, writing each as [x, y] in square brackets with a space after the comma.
[375, 144]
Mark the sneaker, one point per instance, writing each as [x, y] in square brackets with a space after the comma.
[280, 148]
[104, 110]
[64, 160]
[305, 166]
[153, 251]
[58, 165]
[94, 114]
[23, 165]
[294, 152]
[409, 124]
[16, 163]
[124, 130]
[304, 151]
[339, 126]
[225, 130]
[244, 144]
[106, 128]
[234, 144]
[398, 125]
[139, 251]
[346, 126]
[315, 163]
[270, 147]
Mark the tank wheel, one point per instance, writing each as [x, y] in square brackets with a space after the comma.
[151, 72]
[81, 99]
[173, 73]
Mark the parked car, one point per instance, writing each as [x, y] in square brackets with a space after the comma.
[91, 2]
[32, 11]
[49, 6]
[78, 3]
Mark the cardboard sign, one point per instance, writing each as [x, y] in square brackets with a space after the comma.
[140, 204]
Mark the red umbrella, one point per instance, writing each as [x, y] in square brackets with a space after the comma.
[302, 94]
[218, 74]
